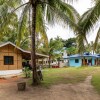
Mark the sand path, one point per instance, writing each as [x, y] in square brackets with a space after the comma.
[80, 91]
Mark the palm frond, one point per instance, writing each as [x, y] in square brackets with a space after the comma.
[40, 25]
[22, 23]
[81, 47]
[96, 40]
[89, 18]
[64, 13]
[95, 1]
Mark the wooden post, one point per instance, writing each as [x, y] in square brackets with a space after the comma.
[42, 62]
[97, 61]
[83, 61]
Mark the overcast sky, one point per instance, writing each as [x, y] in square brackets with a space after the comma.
[81, 6]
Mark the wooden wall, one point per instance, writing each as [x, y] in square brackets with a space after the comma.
[10, 50]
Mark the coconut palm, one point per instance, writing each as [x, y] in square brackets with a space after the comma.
[54, 49]
[97, 41]
[86, 23]
[90, 17]
[36, 13]
[98, 48]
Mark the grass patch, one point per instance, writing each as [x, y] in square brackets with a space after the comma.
[96, 81]
[53, 76]
[66, 75]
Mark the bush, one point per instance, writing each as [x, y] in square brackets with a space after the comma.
[65, 66]
[27, 72]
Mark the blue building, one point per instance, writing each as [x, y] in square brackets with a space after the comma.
[86, 59]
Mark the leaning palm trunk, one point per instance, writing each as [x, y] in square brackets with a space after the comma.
[58, 59]
[49, 60]
[33, 51]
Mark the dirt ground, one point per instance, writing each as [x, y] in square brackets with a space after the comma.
[80, 91]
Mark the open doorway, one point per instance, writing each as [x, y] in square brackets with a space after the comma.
[90, 62]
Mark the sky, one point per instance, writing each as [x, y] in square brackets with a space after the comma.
[81, 6]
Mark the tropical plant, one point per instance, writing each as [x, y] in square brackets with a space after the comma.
[54, 49]
[39, 12]
[71, 46]
[97, 41]
[72, 50]
[98, 48]
[70, 42]
[86, 23]
[27, 72]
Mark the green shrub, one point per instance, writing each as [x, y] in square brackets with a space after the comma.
[65, 66]
[27, 72]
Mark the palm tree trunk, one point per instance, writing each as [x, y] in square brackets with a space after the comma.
[49, 60]
[35, 80]
[58, 62]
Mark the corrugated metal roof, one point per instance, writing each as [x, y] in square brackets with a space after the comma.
[84, 55]
[97, 55]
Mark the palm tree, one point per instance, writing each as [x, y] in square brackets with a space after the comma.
[40, 12]
[86, 23]
[53, 49]
[97, 41]
[98, 48]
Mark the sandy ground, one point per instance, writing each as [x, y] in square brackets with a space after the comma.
[80, 91]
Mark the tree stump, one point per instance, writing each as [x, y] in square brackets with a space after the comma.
[21, 86]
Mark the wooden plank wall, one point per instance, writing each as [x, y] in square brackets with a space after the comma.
[9, 50]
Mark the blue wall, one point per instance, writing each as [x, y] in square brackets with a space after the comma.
[93, 61]
[73, 64]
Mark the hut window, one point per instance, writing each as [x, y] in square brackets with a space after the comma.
[76, 60]
[8, 60]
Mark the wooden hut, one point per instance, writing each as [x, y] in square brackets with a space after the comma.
[11, 56]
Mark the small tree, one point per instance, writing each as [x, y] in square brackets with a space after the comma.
[54, 49]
